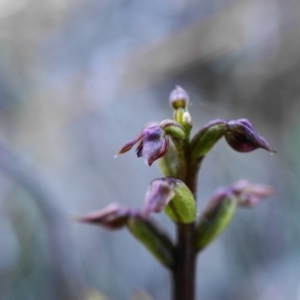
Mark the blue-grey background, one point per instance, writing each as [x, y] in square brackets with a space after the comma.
[79, 78]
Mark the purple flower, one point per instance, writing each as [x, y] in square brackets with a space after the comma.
[245, 193]
[153, 144]
[242, 137]
[113, 216]
[159, 194]
[251, 194]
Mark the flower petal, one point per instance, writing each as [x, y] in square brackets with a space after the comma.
[242, 137]
[139, 149]
[250, 194]
[154, 144]
[113, 216]
[159, 193]
[129, 145]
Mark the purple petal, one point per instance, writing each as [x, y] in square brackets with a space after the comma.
[139, 149]
[129, 145]
[250, 194]
[154, 144]
[160, 192]
[242, 137]
[113, 216]
[164, 148]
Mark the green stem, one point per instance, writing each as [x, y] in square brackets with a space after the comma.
[192, 178]
[182, 162]
[184, 271]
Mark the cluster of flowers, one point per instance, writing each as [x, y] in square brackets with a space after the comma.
[179, 158]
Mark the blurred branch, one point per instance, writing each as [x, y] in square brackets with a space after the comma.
[66, 282]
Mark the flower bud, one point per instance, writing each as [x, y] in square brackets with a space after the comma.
[153, 238]
[220, 209]
[242, 137]
[182, 207]
[179, 98]
[187, 119]
[173, 129]
[174, 197]
[215, 218]
[206, 138]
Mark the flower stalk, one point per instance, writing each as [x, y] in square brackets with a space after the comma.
[180, 159]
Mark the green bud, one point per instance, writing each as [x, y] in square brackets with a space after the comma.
[215, 219]
[153, 238]
[206, 138]
[182, 207]
[173, 129]
[222, 206]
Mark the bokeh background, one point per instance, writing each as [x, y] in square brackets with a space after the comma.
[79, 78]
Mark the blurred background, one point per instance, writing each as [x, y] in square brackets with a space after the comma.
[79, 78]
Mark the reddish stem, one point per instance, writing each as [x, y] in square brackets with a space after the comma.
[183, 273]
